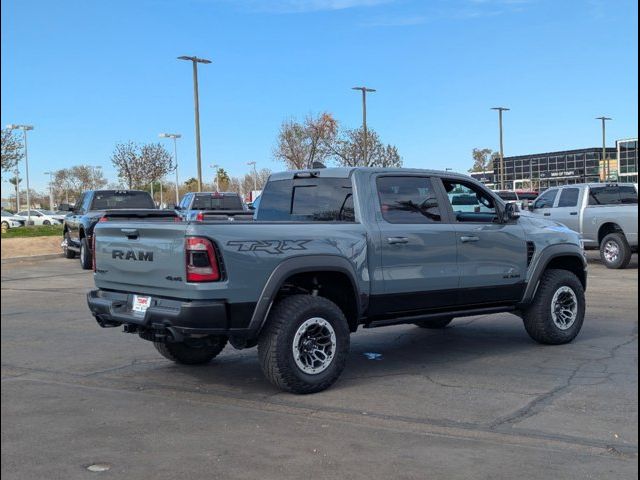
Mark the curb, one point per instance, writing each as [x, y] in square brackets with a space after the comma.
[27, 258]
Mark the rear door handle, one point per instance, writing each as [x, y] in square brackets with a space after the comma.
[573, 213]
[467, 239]
[547, 214]
[394, 240]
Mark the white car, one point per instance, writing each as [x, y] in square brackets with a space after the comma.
[42, 217]
[9, 220]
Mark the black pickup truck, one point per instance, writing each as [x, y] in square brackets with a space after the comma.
[90, 207]
[198, 206]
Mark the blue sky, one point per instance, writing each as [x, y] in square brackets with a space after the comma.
[88, 74]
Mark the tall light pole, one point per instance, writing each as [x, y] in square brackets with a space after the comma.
[50, 189]
[175, 137]
[195, 61]
[25, 129]
[215, 167]
[364, 91]
[255, 175]
[605, 160]
[500, 110]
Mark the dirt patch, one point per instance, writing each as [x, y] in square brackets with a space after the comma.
[26, 246]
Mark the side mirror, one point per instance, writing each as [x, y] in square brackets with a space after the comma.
[511, 212]
[531, 206]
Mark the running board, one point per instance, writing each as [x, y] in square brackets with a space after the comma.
[429, 316]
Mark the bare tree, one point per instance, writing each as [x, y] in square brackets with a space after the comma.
[10, 150]
[139, 166]
[301, 144]
[348, 150]
[71, 182]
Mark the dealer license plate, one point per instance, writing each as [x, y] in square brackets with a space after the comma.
[140, 304]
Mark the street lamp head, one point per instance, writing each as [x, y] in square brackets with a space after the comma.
[363, 89]
[170, 135]
[501, 109]
[604, 118]
[194, 59]
[13, 126]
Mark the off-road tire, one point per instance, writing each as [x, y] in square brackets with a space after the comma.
[624, 257]
[537, 317]
[67, 252]
[275, 344]
[196, 354]
[86, 261]
[434, 323]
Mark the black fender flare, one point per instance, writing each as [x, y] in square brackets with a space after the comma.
[292, 266]
[546, 256]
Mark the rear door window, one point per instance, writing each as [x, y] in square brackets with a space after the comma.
[408, 200]
[569, 197]
[628, 195]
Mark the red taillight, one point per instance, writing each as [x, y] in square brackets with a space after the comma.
[199, 217]
[103, 219]
[202, 264]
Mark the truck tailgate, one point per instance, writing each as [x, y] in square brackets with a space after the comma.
[140, 255]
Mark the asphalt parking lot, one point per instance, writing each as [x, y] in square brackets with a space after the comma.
[476, 400]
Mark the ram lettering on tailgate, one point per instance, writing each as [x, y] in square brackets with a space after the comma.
[138, 256]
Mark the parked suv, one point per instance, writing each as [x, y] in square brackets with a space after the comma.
[605, 215]
[90, 207]
[332, 250]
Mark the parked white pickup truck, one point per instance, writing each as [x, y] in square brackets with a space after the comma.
[606, 216]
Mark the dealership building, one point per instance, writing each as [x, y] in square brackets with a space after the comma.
[543, 170]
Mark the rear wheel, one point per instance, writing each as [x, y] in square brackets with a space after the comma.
[304, 347]
[434, 323]
[195, 353]
[5, 226]
[46, 222]
[615, 252]
[557, 312]
[85, 254]
[68, 253]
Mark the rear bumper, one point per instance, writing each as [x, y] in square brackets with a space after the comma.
[167, 317]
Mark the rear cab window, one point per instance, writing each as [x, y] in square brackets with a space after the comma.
[114, 200]
[307, 200]
[408, 199]
[216, 201]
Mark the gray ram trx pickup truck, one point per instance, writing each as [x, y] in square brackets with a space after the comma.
[330, 250]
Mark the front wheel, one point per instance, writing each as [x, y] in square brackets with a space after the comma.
[305, 344]
[46, 222]
[67, 252]
[615, 252]
[557, 312]
[5, 226]
[194, 353]
[85, 254]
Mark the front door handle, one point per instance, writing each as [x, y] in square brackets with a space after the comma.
[547, 214]
[468, 239]
[394, 240]
[573, 213]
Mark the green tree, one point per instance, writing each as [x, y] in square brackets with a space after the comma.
[191, 184]
[222, 180]
[10, 149]
[348, 150]
[482, 159]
